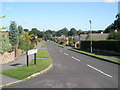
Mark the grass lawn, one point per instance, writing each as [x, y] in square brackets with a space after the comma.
[42, 53]
[23, 72]
[43, 45]
[100, 56]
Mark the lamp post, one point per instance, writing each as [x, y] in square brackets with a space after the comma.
[90, 37]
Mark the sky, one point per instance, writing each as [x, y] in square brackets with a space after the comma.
[57, 15]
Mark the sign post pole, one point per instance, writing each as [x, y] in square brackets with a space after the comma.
[35, 59]
[27, 60]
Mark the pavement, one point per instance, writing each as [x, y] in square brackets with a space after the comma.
[74, 70]
[20, 61]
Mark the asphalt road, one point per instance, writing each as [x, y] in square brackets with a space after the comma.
[74, 70]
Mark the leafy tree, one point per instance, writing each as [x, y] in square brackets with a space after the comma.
[20, 29]
[114, 35]
[34, 31]
[26, 30]
[63, 31]
[72, 32]
[109, 28]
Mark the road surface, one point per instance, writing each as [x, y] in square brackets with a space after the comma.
[74, 70]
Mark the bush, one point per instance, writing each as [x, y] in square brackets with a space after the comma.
[71, 43]
[62, 41]
[5, 44]
[101, 45]
[39, 39]
[24, 44]
[114, 35]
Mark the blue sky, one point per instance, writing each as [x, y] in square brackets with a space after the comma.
[57, 15]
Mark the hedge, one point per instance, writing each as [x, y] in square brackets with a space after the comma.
[101, 45]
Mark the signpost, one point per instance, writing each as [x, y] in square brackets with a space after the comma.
[29, 52]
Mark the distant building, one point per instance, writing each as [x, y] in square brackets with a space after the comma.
[96, 36]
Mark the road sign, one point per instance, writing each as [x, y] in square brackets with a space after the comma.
[32, 51]
[29, 52]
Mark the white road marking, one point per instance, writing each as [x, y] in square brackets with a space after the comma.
[65, 53]
[99, 70]
[61, 51]
[75, 58]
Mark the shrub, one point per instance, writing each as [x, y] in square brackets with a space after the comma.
[39, 39]
[24, 44]
[62, 41]
[71, 43]
[5, 45]
[114, 35]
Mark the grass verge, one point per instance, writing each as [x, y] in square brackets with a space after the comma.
[96, 55]
[60, 45]
[43, 45]
[92, 54]
[42, 53]
[24, 71]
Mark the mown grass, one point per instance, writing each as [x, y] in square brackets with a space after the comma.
[42, 53]
[96, 55]
[23, 72]
[43, 45]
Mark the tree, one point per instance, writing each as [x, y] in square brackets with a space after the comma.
[34, 31]
[109, 28]
[13, 36]
[72, 32]
[63, 31]
[26, 30]
[20, 29]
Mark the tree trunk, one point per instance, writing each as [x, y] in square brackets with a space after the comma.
[16, 50]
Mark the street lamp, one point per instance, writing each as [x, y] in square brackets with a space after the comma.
[90, 37]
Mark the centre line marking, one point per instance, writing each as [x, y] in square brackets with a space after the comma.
[65, 53]
[75, 58]
[99, 70]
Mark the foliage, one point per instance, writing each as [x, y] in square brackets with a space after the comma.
[13, 34]
[20, 30]
[34, 31]
[114, 26]
[72, 32]
[63, 31]
[114, 35]
[102, 45]
[39, 39]
[26, 30]
[4, 44]
[71, 43]
[62, 41]
[24, 43]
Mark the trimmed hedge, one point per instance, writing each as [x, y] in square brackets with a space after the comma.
[102, 45]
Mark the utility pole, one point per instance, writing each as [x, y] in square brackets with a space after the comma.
[90, 36]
